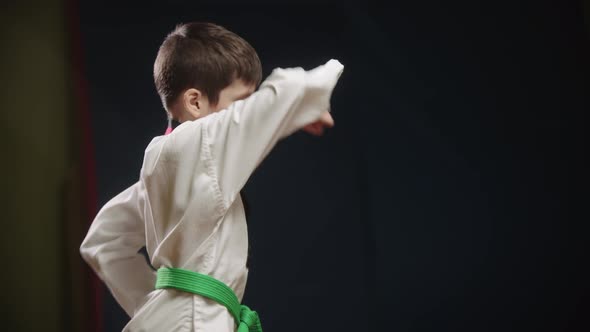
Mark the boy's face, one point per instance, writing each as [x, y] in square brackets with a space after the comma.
[236, 91]
[194, 104]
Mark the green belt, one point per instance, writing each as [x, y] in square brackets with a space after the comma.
[247, 320]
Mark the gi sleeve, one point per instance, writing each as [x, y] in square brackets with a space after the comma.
[240, 137]
[111, 249]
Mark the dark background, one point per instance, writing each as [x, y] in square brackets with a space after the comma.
[445, 197]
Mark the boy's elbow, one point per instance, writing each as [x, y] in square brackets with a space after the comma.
[85, 251]
[89, 251]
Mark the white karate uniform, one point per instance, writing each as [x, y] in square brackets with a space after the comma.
[186, 208]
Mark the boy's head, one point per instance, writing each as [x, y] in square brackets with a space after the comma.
[202, 68]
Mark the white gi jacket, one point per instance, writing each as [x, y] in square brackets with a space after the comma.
[186, 208]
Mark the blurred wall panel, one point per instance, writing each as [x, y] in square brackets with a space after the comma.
[34, 100]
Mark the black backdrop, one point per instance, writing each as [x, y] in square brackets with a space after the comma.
[443, 200]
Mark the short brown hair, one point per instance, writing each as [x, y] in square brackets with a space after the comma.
[204, 56]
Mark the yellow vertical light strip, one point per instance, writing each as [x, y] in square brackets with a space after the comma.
[34, 109]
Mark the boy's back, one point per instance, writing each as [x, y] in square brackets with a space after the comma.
[186, 208]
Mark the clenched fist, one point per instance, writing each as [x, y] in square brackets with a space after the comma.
[317, 128]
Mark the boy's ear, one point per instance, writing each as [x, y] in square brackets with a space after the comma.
[194, 102]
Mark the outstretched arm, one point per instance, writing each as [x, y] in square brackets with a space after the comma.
[234, 141]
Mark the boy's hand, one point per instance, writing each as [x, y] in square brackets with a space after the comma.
[317, 128]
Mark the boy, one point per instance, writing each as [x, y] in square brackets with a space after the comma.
[186, 208]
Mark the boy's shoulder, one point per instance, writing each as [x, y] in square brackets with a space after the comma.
[153, 153]
[154, 143]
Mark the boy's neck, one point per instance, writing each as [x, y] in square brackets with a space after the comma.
[184, 116]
